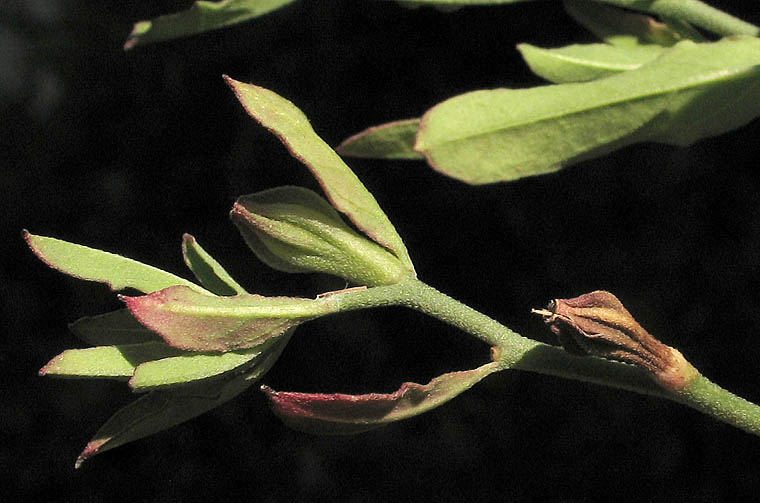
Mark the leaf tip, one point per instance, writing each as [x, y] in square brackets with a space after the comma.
[91, 449]
[140, 28]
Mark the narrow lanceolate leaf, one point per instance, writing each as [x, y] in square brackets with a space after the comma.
[207, 270]
[337, 413]
[580, 63]
[160, 410]
[110, 329]
[197, 322]
[190, 367]
[394, 140]
[202, 16]
[623, 28]
[115, 362]
[95, 265]
[690, 92]
[344, 190]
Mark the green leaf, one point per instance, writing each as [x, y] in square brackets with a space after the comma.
[342, 187]
[295, 230]
[579, 63]
[107, 361]
[160, 410]
[200, 17]
[196, 322]
[95, 265]
[626, 29]
[111, 329]
[340, 414]
[207, 270]
[690, 92]
[394, 140]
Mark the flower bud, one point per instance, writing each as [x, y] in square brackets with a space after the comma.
[293, 229]
[598, 324]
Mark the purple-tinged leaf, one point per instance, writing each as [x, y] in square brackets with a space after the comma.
[344, 190]
[197, 322]
[207, 270]
[339, 414]
[393, 140]
[111, 329]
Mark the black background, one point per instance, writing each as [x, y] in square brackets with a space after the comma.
[125, 151]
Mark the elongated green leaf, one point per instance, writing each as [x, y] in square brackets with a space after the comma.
[207, 270]
[342, 187]
[95, 265]
[197, 322]
[202, 16]
[160, 410]
[339, 414]
[394, 140]
[580, 63]
[690, 92]
[107, 361]
[111, 329]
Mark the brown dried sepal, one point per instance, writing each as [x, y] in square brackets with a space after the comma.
[598, 324]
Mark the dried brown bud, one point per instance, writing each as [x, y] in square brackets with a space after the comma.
[598, 324]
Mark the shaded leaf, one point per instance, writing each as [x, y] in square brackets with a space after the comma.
[344, 190]
[393, 140]
[202, 16]
[293, 229]
[110, 329]
[160, 410]
[338, 414]
[690, 92]
[192, 321]
[106, 361]
[579, 63]
[95, 265]
[207, 270]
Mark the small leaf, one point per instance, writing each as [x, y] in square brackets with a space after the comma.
[295, 230]
[111, 329]
[196, 322]
[95, 265]
[394, 140]
[107, 361]
[338, 414]
[160, 410]
[207, 270]
[579, 63]
[202, 16]
[690, 92]
[342, 187]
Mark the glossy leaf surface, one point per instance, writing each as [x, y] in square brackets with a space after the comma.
[344, 190]
[338, 414]
[207, 270]
[394, 140]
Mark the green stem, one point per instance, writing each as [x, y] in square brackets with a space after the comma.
[514, 351]
[692, 11]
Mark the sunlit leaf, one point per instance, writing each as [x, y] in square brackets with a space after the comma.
[344, 190]
[207, 270]
[338, 414]
[394, 140]
[202, 16]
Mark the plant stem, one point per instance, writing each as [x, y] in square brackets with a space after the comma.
[692, 11]
[514, 351]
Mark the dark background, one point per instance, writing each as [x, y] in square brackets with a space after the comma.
[125, 151]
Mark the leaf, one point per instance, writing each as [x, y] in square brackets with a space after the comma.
[393, 140]
[106, 361]
[95, 265]
[339, 414]
[626, 29]
[160, 410]
[196, 322]
[579, 63]
[342, 187]
[111, 329]
[207, 270]
[202, 16]
[690, 92]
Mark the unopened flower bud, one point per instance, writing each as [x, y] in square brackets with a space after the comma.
[598, 324]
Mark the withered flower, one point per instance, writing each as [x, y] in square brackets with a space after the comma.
[598, 324]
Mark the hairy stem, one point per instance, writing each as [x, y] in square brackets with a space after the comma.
[514, 351]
